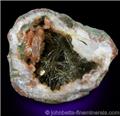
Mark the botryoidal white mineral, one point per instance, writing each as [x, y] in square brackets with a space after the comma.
[54, 59]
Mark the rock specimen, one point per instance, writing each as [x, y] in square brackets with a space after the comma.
[54, 59]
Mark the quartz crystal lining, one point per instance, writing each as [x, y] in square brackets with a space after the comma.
[54, 54]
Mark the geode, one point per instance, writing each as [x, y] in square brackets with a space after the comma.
[54, 59]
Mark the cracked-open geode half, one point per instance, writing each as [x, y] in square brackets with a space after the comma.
[54, 59]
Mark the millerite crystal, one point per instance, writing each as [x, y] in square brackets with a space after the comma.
[60, 62]
[54, 59]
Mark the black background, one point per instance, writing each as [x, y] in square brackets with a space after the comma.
[101, 15]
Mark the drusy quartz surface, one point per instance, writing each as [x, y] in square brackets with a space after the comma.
[54, 59]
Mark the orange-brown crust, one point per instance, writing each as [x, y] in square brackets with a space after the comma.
[29, 37]
[34, 41]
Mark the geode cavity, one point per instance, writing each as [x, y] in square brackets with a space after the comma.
[54, 59]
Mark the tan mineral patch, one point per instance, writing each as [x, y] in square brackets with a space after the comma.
[32, 83]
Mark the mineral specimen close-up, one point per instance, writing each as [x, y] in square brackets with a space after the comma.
[54, 59]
